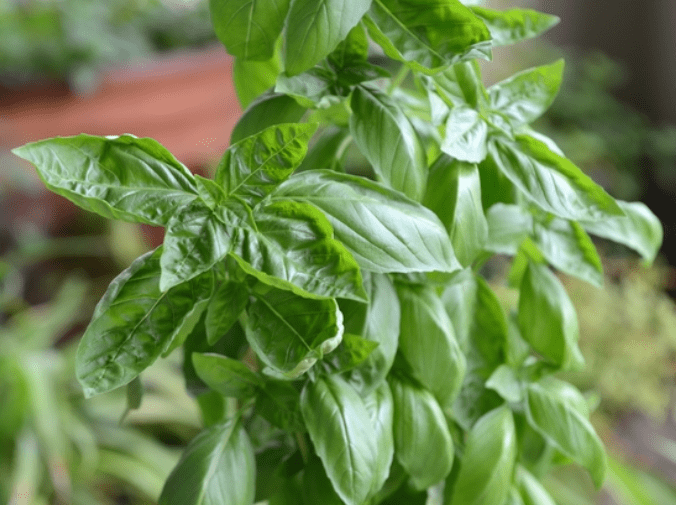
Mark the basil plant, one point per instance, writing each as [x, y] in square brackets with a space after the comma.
[325, 287]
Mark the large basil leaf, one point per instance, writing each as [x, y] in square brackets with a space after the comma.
[466, 134]
[513, 25]
[454, 194]
[217, 467]
[422, 441]
[524, 97]
[290, 333]
[428, 36]
[639, 229]
[252, 78]
[532, 492]
[566, 428]
[227, 376]
[249, 28]
[547, 318]
[318, 27]
[224, 308]
[379, 323]
[427, 341]
[125, 177]
[551, 181]
[380, 406]
[490, 453]
[135, 322]
[255, 165]
[344, 439]
[385, 136]
[267, 110]
[384, 231]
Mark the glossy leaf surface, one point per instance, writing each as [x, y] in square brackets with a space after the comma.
[385, 136]
[343, 437]
[128, 178]
[226, 376]
[384, 231]
[217, 467]
[135, 322]
[466, 134]
[514, 25]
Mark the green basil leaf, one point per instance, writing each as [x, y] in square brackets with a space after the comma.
[532, 492]
[267, 110]
[352, 352]
[325, 151]
[568, 248]
[319, 25]
[639, 229]
[226, 376]
[279, 403]
[454, 194]
[255, 165]
[217, 467]
[380, 406]
[344, 439]
[505, 382]
[224, 309]
[428, 37]
[290, 333]
[317, 487]
[524, 97]
[547, 318]
[508, 227]
[462, 84]
[354, 50]
[135, 322]
[314, 88]
[466, 134]
[422, 441]
[428, 343]
[385, 136]
[210, 193]
[490, 453]
[514, 497]
[384, 231]
[514, 25]
[566, 428]
[249, 28]
[253, 78]
[379, 322]
[550, 181]
[128, 178]
[292, 247]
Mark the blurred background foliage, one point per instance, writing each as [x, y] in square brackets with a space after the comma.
[57, 448]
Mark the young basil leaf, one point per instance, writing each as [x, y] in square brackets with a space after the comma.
[252, 78]
[428, 343]
[547, 318]
[379, 323]
[490, 453]
[267, 110]
[290, 333]
[385, 136]
[514, 25]
[226, 376]
[568, 248]
[639, 229]
[505, 382]
[380, 406]
[422, 441]
[384, 231]
[466, 134]
[249, 28]
[341, 432]
[525, 96]
[427, 37]
[218, 466]
[454, 194]
[352, 352]
[314, 88]
[135, 322]
[292, 247]
[566, 428]
[254, 166]
[128, 178]
[318, 27]
[279, 403]
[532, 492]
[550, 181]
[508, 227]
[225, 307]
